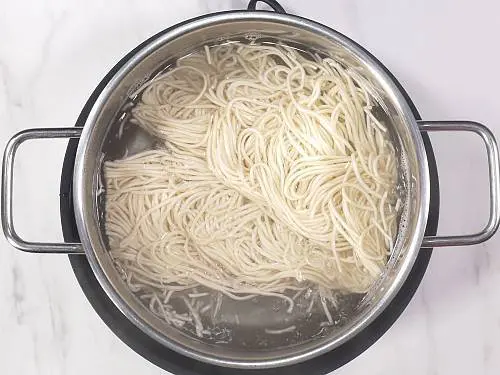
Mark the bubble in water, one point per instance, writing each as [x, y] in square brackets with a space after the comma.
[252, 36]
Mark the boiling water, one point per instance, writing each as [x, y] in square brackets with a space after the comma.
[258, 322]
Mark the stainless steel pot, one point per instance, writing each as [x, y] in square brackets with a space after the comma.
[96, 140]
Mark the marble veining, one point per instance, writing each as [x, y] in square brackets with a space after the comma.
[18, 293]
[54, 52]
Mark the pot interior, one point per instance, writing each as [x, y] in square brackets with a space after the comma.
[247, 329]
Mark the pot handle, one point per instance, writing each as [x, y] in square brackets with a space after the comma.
[494, 180]
[7, 187]
[252, 5]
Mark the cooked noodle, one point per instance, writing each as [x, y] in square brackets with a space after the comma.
[276, 175]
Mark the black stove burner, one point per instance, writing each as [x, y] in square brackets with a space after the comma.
[181, 365]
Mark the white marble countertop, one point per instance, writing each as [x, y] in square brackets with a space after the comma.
[446, 54]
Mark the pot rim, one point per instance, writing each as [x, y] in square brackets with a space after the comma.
[81, 190]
